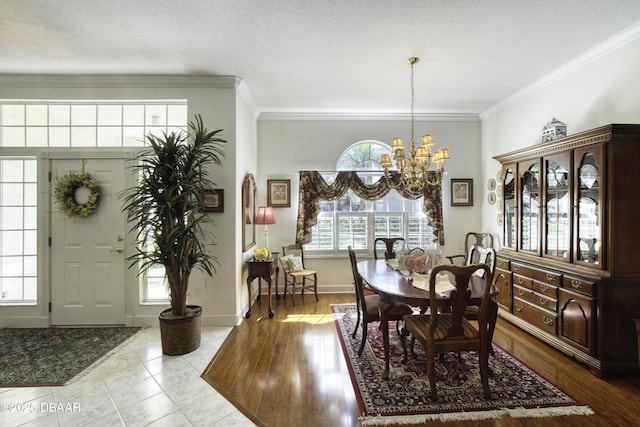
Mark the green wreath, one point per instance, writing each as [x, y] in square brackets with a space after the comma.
[65, 192]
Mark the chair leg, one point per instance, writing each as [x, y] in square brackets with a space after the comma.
[293, 290]
[493, 318]
[315, 286]
[404, 333]
[431, 374]
[364, 336]
[355, 328]
[483, 356]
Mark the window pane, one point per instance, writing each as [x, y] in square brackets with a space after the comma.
[59, 115]
[109, 115]
[83, 115]
[37, 115]
[12, 115]
[13, 137]
[37, 137]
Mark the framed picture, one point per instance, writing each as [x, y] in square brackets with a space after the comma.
[279, 193]
[461, 192]
[213, 201]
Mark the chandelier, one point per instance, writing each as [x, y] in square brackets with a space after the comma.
[412, 174]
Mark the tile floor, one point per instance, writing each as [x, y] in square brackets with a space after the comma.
[135, 385]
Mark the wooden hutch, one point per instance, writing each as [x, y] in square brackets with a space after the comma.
[569, 267]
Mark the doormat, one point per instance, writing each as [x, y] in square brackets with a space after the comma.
[404, 398]
[53, 356]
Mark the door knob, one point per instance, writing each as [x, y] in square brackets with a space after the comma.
[119, 250]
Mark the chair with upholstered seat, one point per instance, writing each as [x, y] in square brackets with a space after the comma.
[483, 255]
[452, 332]
[368, 305]
[389, 249]
[292, 262]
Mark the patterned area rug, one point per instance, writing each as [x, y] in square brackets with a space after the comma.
[53, 356]
[516, 390]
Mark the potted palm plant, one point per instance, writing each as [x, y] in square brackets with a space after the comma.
[165, 212]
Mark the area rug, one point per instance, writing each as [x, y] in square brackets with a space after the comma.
[53, 356]
[516, 390]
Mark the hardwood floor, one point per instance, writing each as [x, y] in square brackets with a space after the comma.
[290, 371]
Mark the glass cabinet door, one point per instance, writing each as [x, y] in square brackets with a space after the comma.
[589, 209]
[509, 210]
[557, 206]
[529, 206]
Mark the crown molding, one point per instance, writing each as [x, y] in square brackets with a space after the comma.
[351, 115]
[608, 46]
[117, 81]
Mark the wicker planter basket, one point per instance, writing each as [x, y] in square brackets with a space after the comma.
[180, 335]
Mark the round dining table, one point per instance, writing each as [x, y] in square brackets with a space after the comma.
[393, 286]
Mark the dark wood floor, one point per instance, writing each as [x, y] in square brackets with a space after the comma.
[290, 371]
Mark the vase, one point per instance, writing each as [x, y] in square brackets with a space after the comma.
[180, 335]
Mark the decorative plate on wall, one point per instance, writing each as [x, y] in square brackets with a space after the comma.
[491, 184]
[491, 198]
[500, 221]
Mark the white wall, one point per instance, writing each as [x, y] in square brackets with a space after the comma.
[604, 91]
[288, 146]
[215, 99]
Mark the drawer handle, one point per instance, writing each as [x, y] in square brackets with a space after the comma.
[522, 292]
[516, 268]
[544, 288]
[547, 320]
[576, 284]
[544, 301]
[519, 307]
[522, 280]
[551, 277]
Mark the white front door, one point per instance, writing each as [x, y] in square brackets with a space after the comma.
[87, 258]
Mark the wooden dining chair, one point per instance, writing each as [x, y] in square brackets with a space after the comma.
[483, 255]
[452, 331]
[389, 243]
[484, 240]
[292, 262]
[368, 305]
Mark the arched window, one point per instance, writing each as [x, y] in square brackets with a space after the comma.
[353, 221]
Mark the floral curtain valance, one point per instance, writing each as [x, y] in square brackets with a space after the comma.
[313, 188]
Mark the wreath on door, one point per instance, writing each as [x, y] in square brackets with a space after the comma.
[65, 193]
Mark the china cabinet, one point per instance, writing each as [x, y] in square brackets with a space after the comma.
[568, 270]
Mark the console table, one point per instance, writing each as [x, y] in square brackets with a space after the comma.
[262, 269]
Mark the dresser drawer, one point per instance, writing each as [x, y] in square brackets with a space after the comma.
[545, 301]
[502, 263]
[522, 293]
[579, 285]
[538, 317]
[525, 282]
[521, 269]
[545, 289]
[549, 277]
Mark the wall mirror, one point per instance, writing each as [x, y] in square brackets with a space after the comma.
[248, 212]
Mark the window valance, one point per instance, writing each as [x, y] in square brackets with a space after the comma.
[313, 187]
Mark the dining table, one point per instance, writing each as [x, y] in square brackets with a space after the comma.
[393, 286]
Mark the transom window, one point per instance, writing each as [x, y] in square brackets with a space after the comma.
[353, 221]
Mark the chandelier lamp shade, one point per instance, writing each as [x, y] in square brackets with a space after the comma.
[412, 174]
[265, 217]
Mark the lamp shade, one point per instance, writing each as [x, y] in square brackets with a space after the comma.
[265, 215]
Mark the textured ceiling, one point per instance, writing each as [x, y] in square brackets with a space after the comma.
[319, 55]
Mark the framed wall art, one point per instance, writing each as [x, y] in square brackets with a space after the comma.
[213, 201]
[461, 192]
[279, 193]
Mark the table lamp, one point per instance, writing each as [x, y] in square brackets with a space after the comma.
[265, 217]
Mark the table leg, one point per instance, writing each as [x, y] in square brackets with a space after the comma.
[383, 310]
[248, 314]
[270, 309]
